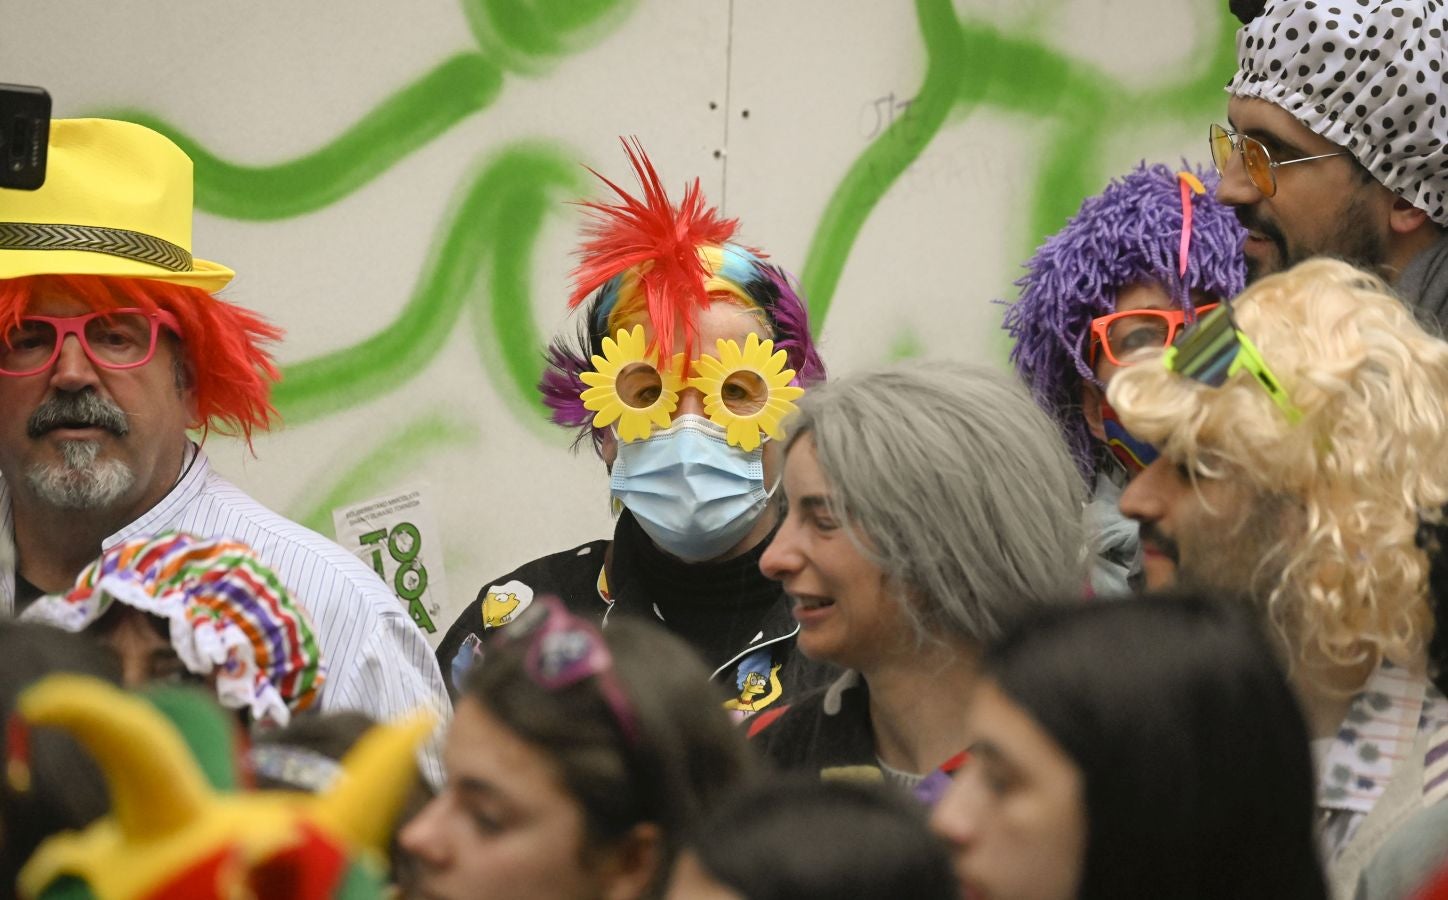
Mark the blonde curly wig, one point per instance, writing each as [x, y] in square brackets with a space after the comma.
[1367, 463]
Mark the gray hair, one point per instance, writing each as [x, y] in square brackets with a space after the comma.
[956, 485]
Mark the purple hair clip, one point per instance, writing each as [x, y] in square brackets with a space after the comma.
[565, 650]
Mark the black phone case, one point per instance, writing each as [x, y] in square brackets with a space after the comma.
[24, 136]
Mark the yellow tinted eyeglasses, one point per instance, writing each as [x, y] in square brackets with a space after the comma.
[1261, 168]
[746, 390]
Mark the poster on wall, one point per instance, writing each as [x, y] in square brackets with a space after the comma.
[398, 537]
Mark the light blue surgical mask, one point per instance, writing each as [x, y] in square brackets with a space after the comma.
[690, 491]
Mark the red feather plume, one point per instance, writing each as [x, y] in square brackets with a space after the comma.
[652, 231]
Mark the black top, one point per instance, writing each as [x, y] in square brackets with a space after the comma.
[736, 619]
[25, 593]
[825, 731]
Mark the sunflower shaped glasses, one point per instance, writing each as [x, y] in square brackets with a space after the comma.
[746, 390]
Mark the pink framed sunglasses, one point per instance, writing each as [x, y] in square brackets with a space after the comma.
[113, 339]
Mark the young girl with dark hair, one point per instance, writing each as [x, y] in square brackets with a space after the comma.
[576, 760]
[1141, 749]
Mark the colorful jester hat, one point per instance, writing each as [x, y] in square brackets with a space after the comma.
[645, 258]
[179, 826]
[229, 617]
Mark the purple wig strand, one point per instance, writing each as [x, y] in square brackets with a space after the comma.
[1127, 235]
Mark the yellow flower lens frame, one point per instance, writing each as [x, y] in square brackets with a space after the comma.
[627, 388]
[747, 391]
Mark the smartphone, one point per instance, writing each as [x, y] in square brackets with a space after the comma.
[24, 136]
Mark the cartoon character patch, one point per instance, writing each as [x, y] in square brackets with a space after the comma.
[757, 680]
[504, 602]
[602, 586]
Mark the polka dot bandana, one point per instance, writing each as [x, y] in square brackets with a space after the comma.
[230, 617]
[1368, 75]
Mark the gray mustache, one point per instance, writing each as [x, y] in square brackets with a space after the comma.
[83, 409]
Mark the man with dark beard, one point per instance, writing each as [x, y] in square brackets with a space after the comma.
[1301, 430]
[1336, 141]
[112, 346]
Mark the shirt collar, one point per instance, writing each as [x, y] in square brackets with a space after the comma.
[1380, 728]
[834, 699]
[159, 518]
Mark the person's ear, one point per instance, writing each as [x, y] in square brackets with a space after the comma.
[632, 866]
[185, 380]
[1091, 409]
[1404, 217]
[608, 448]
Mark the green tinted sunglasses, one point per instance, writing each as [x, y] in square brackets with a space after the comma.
[1215, 349]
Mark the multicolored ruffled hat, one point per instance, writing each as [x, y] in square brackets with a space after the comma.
[229, 616]
[181, 824]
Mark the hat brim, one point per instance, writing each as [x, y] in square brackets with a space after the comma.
[208, 276]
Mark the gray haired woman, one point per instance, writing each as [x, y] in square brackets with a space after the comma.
[929, 503]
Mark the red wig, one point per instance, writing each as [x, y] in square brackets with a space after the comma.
[230, 371]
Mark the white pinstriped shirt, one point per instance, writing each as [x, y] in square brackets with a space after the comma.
[377, 660]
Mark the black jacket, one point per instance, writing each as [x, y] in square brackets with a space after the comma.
[735, 618]
[826, 731]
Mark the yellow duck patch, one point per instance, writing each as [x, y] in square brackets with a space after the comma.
[504, 602]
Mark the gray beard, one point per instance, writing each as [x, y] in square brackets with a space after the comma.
[80, 481]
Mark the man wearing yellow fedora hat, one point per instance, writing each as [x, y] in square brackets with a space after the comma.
[93, 431]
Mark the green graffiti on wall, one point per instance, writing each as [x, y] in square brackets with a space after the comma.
[401, 124]
[971, 64]
[397, 452]
[481, 256]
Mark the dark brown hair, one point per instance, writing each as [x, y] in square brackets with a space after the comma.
[687, 754]
[66, 791]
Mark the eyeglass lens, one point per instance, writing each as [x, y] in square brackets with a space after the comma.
[639, 385]
[1206, 351]
[744, 393]
[1254, 158]
[1137, 331]
[123, 339]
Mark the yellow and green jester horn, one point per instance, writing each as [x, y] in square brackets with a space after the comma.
[179, 828]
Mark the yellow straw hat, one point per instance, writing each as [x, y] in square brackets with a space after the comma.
[116, 201]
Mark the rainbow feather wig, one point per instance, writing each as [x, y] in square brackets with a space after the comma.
[645, 255]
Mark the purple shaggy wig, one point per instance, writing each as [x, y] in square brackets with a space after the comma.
[771, 289]
[1129, 234]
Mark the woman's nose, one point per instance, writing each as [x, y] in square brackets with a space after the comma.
[690, 401]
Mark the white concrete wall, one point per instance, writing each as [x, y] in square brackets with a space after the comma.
[905, 219]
